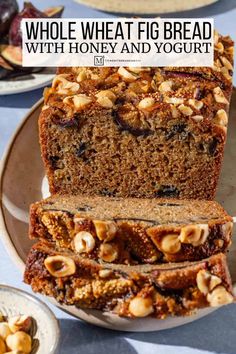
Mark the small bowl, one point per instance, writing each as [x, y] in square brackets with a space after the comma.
[45, 330]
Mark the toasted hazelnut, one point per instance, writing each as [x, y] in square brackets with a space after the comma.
[84, 242]
[20, 341]
[45, 107]
[141, 307]
[226, 63]
[185, 110]
[138, 70]
[219, 296]
[196, 104]
[20, 323]
[105, 273]
[174, 111]
[4, 330]
[216, 37]
[197, 118]
[126, 75]
[106, 98]
[226, 74]
[173, 100]
[230, 51]
[206, 281]
[60, 266]
[195, 235]
[221, 118]
[82, 75]
[219, 47]
[77, 101]
[227, 229]
[108, 252]
[166, 86]
[147, 102]
[219, 96]
[63, 86]
[105, 230]
[3, 348]
[170, 244]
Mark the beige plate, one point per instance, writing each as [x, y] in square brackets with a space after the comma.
[147, 6]
[22, 183]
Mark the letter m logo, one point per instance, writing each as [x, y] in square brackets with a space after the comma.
[98, 60]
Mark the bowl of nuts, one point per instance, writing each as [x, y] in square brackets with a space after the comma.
[27, 325]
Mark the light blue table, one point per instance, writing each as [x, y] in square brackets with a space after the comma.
[215, 333]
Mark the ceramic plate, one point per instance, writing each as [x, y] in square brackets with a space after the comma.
[26, 83]
[147, 6]
[45, 328]
[23, 182]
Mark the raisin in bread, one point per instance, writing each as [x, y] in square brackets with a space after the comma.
[138, 132]
[129, 291]
[132, 230]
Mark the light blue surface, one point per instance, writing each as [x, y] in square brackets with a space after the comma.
[215, 333]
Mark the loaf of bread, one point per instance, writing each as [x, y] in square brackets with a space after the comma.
[132, 230]
[138, 132]
[129, 291]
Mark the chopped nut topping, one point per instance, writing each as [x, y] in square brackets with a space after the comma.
[63, 86]
[60, 266]
[108, 252]
[19, 342]
[226, 74]
[106, 98]
[219, 296]
[219, 47]
[4, 330]
[226, 63]
[221, 118]
[173, 100]
[105, 230]
[185, 110]
[216, 37]
[219, 96]
[206, 281]
[146, 103]
[165, 86]
[77, 101]
[196, 104]
[141, 307]
[227, 229]
[82, 75]
[170, 244]
[126, 75]
[19, 323]
[196, 235]
[105, 273]
[174, 111]
[197, 118]
[138, 70]
[84, 242]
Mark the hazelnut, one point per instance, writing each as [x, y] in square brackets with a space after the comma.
[219, 47]
[173, 100]
[196, 104]
[84, 242]
[185, 110]
[19, 341]
[170, 244]
[216, 37]
[141, 307]
[165, 86]
[19, 323]
[82, 76]
[105, 273]
[230, 51]
[138, 70]
[126, 75]
[63, 86]
[221, 118]
[3, 348]
[77, 101]
[219, 296]
[108, 252]
[60, 266]
[196, 235]
[197, 118]
[106, 98]
[4, 330]
[227, 229]
[147, 102]
[105, 230]
[219, 96]
[174, 111]
[226, 63]
[206, 281]
[226, 74]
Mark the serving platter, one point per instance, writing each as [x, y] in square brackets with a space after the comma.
[22, 182]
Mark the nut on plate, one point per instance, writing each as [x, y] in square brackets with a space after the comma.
[141, 306]
[195, 234]
[4, 330]
[105, 230]
[206, 281]
[20, 323]
[2, 346]
[19, 341]
[84, 242]
[60, 266]
[108, 252]
[219, 296]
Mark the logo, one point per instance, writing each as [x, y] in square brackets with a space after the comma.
[99, 60]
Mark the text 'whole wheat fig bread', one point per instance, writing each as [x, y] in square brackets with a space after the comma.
[132, 230]
[129, 291]
[138, 132]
